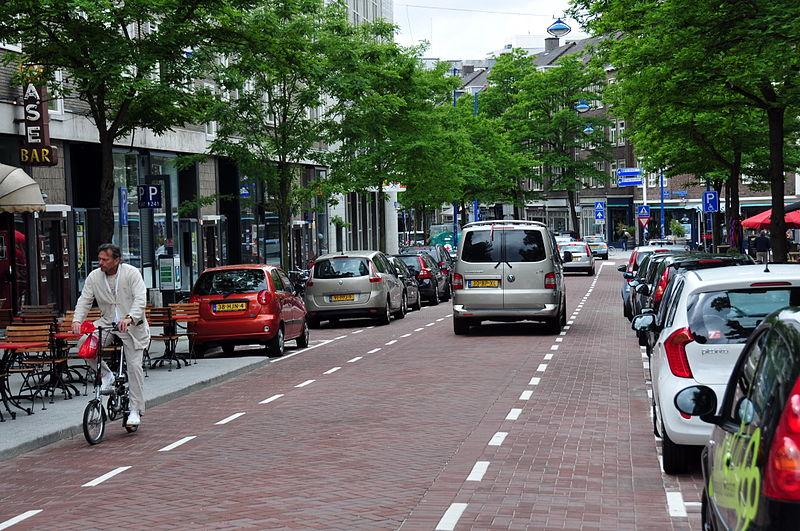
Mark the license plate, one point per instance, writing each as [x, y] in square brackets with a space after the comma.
[342, 298]
[484, 283]
[230, 307]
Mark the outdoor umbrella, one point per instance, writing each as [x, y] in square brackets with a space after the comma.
[18, 192]
[761, 220]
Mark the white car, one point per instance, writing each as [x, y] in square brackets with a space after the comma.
[708, 319]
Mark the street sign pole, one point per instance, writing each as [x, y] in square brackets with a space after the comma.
[661, 186]
[644, 202]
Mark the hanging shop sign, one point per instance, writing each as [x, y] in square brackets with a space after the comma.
[36, 149]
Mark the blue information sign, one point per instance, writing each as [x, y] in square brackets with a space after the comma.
[710, 201]
[629, 181]
[629, 172]
[643, 211]
[123, 205]
[599, 205]
[599, 215]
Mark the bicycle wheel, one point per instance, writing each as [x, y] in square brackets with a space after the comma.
[94, 422]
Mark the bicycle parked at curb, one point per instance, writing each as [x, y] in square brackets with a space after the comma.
[117, 405]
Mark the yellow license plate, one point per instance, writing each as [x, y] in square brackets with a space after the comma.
[484, 283]
[230, 307]
[341, 298]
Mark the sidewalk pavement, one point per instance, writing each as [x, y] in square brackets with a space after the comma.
[63, 418]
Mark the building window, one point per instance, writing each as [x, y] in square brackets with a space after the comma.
[211, 127]
[55, 103]
[621, 133]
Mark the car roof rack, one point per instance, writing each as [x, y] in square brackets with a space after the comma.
[503, 222]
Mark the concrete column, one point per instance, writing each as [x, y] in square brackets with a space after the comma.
[390, 224]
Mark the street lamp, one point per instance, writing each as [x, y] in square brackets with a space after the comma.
[558, 29]
[588, 129]
[582, 106]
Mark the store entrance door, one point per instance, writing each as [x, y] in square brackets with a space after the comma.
[53, 262]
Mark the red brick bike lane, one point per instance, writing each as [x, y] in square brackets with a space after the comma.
[569, 443]
[357, 447]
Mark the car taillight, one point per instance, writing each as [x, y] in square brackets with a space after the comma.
[374, 277]
[675, 345]
[425, 273]
[264, 296]
[662, 286]
[550, 281]
[458, 281]
[782, 475]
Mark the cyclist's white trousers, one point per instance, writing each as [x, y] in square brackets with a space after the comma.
[133, 359]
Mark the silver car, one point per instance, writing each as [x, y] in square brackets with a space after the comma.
[582, 258]
[508, 271]
[356, 284]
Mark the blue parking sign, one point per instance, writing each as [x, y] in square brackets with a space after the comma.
[643, 211]
[710, 201]
[599, 215]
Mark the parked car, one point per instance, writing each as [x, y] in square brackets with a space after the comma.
[249, 303]
[710, 317]
[659, 292]
[751, 464]
[508, 271]
[356, 284]
[641, 296]
[431, 281]
[598, 245]
[442, 258]
[582, 259]
[630, 269]
[409, 279]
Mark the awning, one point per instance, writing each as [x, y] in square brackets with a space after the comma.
[18, 191]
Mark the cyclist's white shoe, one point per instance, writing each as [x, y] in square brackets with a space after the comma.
[108, 382]
[133, 418]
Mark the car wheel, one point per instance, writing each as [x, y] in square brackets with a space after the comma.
[386, 318]
[591, 272]
[401, 313]
[605, 257]
[553, 325]
[448, 294]
[460, 326]
[675, 456]
[563, 319]
[313, 322]
[435, 299]
[276, 344]
[227, 348]
[418, 305]
[302, 340]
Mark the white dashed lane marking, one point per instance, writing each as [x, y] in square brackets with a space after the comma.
[535, 381]
[675, 504]
[548, 357]
[451, 516]
[514, 414]
[17, 519]
[418, 329]
[331, 371]
[542, 367]
[228, 419]
[271, 399]
[498, 438]
[355, 359]
[406, 335]
[177, 443]
[392, 342]
[526, 395]
[307, 382]
[373, 351]
[105, 477]
[478, 471]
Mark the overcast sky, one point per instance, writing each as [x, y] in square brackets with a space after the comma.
[473, 35]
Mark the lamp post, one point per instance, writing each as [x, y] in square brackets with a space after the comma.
[661, 186]
[581, 107]
[455, 205]
[559, 28]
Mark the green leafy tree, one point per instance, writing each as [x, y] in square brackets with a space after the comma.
[129, 74]
[553, 131]
[743, 48]
[275, 80]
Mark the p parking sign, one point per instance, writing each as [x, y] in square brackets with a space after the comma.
[150, 196]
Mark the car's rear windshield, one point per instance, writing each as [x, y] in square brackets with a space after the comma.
[230, 281]
[410, 261]
[524, 246]
[482, 246]
[573, 248]
[344, 267]
[721, 317]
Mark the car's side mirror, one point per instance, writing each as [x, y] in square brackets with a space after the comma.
[643, 322]
[401, 276]
[627, 275]
[698, 401]
[567, 257]
[622, 268]
[643, 289]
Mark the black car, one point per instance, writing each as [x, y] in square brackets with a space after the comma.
[432, 281]
[751, 465]
[409, 280]
[440, 256]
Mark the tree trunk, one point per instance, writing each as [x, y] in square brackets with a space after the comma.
[107, 189]
[285, 214]
[576, 227]
[716, 227]
[381, 219]
[463, 220]
[777, 225]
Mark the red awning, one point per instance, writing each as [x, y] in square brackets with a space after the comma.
[762, 219]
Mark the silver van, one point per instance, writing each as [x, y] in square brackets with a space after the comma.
[508, 271]
[355, 284]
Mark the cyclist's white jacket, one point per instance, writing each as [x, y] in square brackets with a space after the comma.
[131, 300]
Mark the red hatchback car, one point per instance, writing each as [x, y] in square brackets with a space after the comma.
[245, 304]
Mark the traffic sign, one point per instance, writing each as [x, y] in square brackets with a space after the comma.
[629, 172]
[599, 205]
[710, 201]
[643, 211]
[665, 194]
[149, 195]
[599, 215]
[629, 181]
[643, 222]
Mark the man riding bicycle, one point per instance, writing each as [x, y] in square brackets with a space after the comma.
[120, 293]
